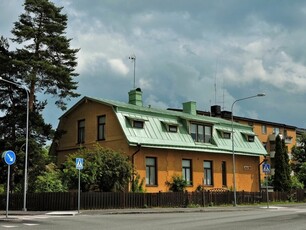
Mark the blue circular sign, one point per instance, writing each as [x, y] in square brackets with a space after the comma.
[9, 157]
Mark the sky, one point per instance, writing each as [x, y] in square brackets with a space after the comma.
[210, 52]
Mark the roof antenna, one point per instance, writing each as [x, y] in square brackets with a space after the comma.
[215, 85]
[133, 59]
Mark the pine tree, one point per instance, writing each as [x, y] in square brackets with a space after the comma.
[46, 54]
[43, 63]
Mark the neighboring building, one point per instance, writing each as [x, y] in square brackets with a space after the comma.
[266, 131]
[163, 143]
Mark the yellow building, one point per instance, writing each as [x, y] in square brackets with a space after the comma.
[163, 143]
[266, 132]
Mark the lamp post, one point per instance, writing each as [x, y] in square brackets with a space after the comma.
[233, 146]
[26, 144]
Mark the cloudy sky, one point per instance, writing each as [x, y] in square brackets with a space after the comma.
[211, 52]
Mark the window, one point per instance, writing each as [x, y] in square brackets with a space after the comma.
[151, 171]
[226, 135]
[208, 176]
[172, 128]
[101, 128]
[276, 131]
[264, 129]
[186, 171]
[200, 133]
[223, 166]
[138, 124]
[81, 131]
[251, 138]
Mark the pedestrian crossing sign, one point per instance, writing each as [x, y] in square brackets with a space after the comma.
[266, 168]
[79, 163]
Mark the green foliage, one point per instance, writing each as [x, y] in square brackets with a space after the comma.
[104, 169]
[45, 53]
[178, 184]
[295, 183]
[50, 180]
[43, 63]
[302, 174]
[282, 180]
[137, 184]
[299, 159]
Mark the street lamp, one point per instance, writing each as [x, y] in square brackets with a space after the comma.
[233, 147]
[26, 144]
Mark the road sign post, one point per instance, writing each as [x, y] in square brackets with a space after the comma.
[79, 164]
[266, 168]
[9, 158]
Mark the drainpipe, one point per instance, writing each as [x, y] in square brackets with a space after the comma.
[133, 164]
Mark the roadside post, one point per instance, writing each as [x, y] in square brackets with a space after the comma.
[266, 168]
[79, 164]
[9, 158]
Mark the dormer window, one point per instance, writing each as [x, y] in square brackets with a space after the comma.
[172, 128]
[249, 137]
[138, 124]
[225, 134]
[201, 132]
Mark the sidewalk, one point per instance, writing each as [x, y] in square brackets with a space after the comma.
[150, 210]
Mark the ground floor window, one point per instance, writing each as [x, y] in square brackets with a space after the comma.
[224, 181]
[187, 171]
[208, 175]
[151, 171]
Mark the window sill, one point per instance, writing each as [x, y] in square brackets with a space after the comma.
[151, 185]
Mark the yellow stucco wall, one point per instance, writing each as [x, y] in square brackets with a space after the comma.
[90, 111]
[169, 163]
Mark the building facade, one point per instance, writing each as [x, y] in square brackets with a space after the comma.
[164, 143]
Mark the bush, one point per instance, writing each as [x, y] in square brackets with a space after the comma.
[178, 184]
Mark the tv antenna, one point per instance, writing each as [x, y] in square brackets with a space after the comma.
[133, 59]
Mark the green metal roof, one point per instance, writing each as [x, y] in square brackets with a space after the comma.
[155, 135]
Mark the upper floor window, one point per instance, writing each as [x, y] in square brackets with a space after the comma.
[264, 129]
[276, 131]
[250, 138]
[186, 171]
[101, 128]
[138, 124]
[172, 128]
[200, 132]
[81, 131]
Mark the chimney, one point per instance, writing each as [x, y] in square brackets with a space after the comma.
[135, 97]
[215, 111]
[190, 107]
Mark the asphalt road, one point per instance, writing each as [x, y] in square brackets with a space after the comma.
[293, 218]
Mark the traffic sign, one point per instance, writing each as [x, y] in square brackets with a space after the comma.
[9, 157]
[266, 168]
[79, 163]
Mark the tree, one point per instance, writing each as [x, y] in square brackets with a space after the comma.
[43, 63]
[282, 180]
[104, 169]
[299, 153]
[49, 180]
[302, 174]
[46, 56]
